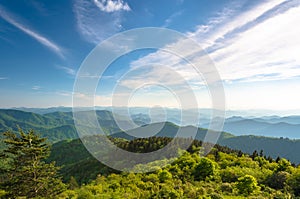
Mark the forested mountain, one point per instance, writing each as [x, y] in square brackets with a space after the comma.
[57, 126]
[223, 173]
[78, 162]
[273, 147]
[266, 126]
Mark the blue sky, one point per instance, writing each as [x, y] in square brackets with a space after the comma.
[254, 44]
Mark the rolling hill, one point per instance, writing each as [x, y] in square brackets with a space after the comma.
[274, 147]
[57, 126]
[271, 127]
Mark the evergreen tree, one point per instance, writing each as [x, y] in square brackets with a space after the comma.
[28, 175]
[254, 155]
[73, 184]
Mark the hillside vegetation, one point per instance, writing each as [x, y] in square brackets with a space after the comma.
[223, 173]
[58, 126]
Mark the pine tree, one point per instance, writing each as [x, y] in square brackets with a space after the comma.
[28, 174]
[73, 184]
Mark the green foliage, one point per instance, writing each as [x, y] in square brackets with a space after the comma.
[223, 173]
[205, 168]
[294, 182]
[247, 185]
[278, 179]
[164, 175]
[73, 184]
[27, 174]
[283, 165]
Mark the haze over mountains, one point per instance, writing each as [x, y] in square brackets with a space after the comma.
[246, 134]
[237, 122]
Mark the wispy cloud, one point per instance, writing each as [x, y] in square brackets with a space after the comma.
[171, 18]
[111, 6]
[99, 19]
[64, 93]
[36, 88]
[218, 27]
[3, 78]
[68, 70]
[10, 18]
[266, 50]
[259, 44]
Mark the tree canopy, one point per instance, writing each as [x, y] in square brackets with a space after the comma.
[27, 174]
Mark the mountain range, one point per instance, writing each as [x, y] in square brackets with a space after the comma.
[58, 126]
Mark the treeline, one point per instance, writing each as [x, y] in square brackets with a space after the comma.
[223, 173]
[75, 161]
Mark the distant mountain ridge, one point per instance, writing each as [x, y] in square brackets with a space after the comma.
[272, 127]
[57, 126]
[274, 147]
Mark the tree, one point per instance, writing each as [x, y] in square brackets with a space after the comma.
[254, 155]
[283, 165]
[278, 179]
[28, 174]
[164, 175]
[73, 184]
[294, 182]
[205, 168]
[247, 184]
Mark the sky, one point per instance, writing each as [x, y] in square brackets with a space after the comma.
[254, 45]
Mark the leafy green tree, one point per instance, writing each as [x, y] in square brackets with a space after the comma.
[283, 165]
[205, 168]
[294, 182]
[28, 175]
[164, 175]
[247, 185]
[278, 179]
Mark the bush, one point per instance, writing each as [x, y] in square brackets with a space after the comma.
[247, 185]
[205, 168]
[278, 179]
[215, 196]
[226, 187]
[164, 175]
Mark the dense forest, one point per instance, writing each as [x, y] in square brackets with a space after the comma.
[223, 173]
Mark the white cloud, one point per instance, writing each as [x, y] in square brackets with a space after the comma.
[3, 78]
[36, 88]
[68, 70]
[64, 93]
[171, 18]
[258, 45]
[95, 25]
[111, 5]
[267, 49]
[40, 38]
[217, 28]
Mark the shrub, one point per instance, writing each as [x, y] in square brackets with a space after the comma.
[247, 185]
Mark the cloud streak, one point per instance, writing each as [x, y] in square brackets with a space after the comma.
[171, 18]
[36, 88]
[68, 70]
[8, 17]
[260, 44]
